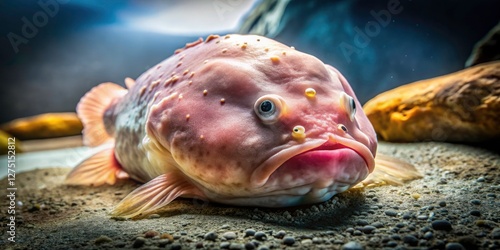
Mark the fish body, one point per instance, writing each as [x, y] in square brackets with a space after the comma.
[238, 119]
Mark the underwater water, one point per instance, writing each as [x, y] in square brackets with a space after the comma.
[50, 62]
[54, 51]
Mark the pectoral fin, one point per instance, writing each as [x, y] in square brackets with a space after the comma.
[155, 194]
[101, 168]
[390, 170]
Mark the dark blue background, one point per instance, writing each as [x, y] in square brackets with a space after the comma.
[76, 50]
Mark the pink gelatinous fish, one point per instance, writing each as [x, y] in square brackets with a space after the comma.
[239, 119]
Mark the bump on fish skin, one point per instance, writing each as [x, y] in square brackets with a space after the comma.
[211, 37]
[299, 132]
[129, 82]
[310, 92]
[275, 59]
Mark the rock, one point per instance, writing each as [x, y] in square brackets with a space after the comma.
[249, 232]
[260, 236]
[495, 234]
[289, 240]
[44, 126]
[229, 235]
[150, 234]
[139, 242]
[102, 239]
[4, 143]
[487, 49]
[391, 213]
[352, 245]
[410, 240]
[441, 225]
[210, 236]
[460, 107]
[454, 246]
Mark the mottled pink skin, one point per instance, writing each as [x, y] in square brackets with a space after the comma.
[173, 119]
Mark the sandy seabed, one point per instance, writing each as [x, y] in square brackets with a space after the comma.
[456, 205]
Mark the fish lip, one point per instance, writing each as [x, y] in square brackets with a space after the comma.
[333, 142]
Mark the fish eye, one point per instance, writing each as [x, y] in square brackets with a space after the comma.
[349, 105]
[268, 108]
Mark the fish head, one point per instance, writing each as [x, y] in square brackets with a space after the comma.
[263, 124]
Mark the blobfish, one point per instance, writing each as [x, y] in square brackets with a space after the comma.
[237, 119]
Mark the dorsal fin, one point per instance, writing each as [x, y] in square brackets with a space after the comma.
[129, 82]
[91, 109]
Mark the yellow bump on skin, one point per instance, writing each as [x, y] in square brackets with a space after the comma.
[202, 137]
[244, 46]
[227, 36]
[142, 90]
[299, 132]
[310, 92]
[284, 53]
[156, 96]
[190, 82]
[205, 92]
[222, 101]
[192, 74]
[224, 50]
[291, 47]
[155, 83]
[266, 49]
[275, 59]
[172, 79]
[188, 116]
[205, 62]
[180, 96]
[185, 72]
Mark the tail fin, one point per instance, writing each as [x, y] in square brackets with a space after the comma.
[392, 171]
[91, 109]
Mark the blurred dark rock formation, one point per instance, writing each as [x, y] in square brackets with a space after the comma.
[379, 44]
[487, 49]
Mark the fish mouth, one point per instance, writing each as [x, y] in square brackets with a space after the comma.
[318, 151]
